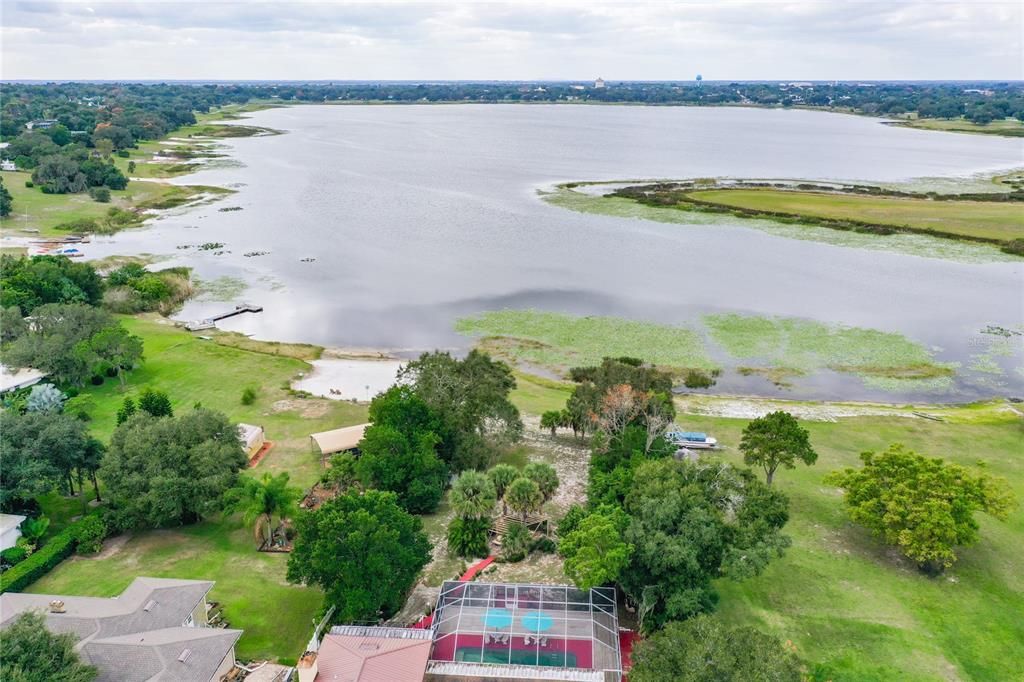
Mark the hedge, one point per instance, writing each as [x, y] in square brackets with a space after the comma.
[42, 561]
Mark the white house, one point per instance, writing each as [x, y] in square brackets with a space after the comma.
[8, 165]
[10, 530]
[599, 83]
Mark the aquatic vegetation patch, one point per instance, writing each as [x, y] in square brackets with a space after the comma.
[792, 346]
[223, 288]
[557, 341]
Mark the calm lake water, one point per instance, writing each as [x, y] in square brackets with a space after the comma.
[416, 215]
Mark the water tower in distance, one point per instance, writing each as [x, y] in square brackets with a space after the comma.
[700, 79]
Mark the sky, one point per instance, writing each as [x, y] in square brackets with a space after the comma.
[552, 40]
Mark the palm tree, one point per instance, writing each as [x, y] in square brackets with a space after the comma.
[501, 476]
[524, 496]
[473, 495]
[544, 475]
[260, 500]
[33, 530]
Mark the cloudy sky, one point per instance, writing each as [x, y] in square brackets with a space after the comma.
[557, 39]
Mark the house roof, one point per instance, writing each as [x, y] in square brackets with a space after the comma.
[137, 636]
[9, 521]
[339, 440]
[373, 654]
[13, 378]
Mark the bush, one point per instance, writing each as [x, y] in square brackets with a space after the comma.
[13, 555]
[100, 194]
[544, 545]
[29, 184]
[41, 562]
[123, 153]
[97, 380]
[515, 543]
[1014, 247]
[91, 533]
[698, 378]
[248, 395]
[79, 225]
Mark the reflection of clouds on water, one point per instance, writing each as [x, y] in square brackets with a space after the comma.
[349, 379]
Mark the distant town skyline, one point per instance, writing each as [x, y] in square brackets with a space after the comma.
[557, 40]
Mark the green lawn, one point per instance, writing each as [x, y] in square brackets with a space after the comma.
[34, 210]
[848, 601]
[192, 370]
[276, 616]
[986, 219]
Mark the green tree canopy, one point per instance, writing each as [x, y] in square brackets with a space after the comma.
[31, 653]
[775, 440]
[31, 282]
[155, 403]
[524, 496]
[173, 470]
[545, 476]
[471, 398]
[363, 550]
[595, 551]
[407, 466]
[703, 649]
[502, 475]
[472, 495]
[693, 523]
[6, 201]
[922, 505]
[40, 451]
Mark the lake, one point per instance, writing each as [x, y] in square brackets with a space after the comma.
[416, 215]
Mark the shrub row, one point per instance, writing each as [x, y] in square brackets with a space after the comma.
[43, 560]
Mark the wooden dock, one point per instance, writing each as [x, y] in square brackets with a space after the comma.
[211, 322]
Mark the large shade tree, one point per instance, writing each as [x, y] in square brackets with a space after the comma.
[704, 648]
[691, 524]
[164, 471]
[471, 398]
[363, 550]
[922, 505]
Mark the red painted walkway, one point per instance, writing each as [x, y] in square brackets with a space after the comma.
[426, 621]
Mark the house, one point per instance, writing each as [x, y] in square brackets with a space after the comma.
[10, 530]
[483, 632]
[11, 379]
[8, 165]
[41, 124]
[338, 440]
[599, 83]
[352, 653]
[154, 631]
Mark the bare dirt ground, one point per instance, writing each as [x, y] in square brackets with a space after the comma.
[752, 408]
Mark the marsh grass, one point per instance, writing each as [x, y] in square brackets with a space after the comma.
[559, 342]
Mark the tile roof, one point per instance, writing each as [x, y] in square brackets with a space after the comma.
[373, 655]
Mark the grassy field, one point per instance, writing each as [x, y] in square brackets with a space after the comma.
[848, 601]
[984, 219]
[192, 370]
[275, 615]
[1009, 127]
[43, 212]
[558, 342]
[914, 244]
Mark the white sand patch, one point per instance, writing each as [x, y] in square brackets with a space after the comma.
[345, 379]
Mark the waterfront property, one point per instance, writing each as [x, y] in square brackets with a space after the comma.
[156, 630]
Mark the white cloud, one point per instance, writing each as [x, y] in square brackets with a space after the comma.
[202, 39]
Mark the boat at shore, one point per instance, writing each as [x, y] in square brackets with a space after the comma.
[693, 440]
